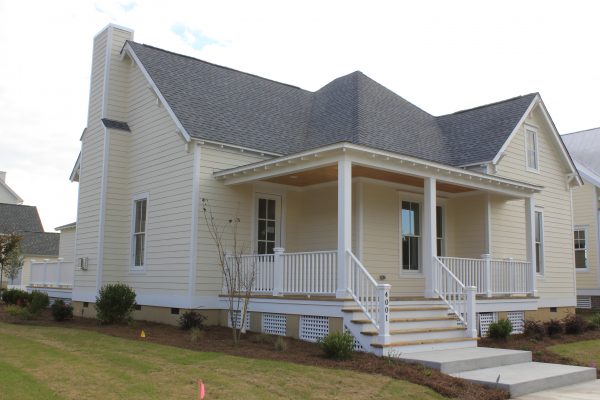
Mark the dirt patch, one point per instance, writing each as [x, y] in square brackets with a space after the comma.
[260, 346]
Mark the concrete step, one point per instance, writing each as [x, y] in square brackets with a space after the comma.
[529, 377]
[582, 391]
[453, 361]
[396, 349]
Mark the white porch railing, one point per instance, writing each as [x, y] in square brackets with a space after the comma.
[492, 276]
[372, 297]
[458, 297]
[52, 273]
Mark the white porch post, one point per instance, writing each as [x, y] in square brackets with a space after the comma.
[530, 228]
[344, 224]
[429, 233]
[278, 271]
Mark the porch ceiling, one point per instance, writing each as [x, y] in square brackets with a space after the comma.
[329, 174]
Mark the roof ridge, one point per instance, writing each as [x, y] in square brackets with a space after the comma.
[489, 104]
[217, 65]
[585, 130]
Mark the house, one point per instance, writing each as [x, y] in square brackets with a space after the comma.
[36, 245]
[360, 210]
[7, 195]
[584, 147]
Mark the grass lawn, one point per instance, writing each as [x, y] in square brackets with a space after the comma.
[586, 352]
[38, 362]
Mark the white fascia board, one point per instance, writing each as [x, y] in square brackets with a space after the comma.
[588, 175]
[236, 147]
[500, 153]
[127, 48]
[286, 164]
[75, 170]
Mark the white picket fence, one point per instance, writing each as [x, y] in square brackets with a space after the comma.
[52, 273]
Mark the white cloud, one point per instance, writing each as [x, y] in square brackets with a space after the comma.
[441, 55]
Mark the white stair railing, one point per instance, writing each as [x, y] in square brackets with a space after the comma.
[458, 297]
[373, 298]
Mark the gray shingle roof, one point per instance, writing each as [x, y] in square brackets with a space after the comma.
[18, 218]
[25, 221]
[112, 124]
[224, 105]
[584, 147]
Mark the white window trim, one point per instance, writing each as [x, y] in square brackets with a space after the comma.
[418, 200]
[277, 196]
[444, 237]
[537, 149]
[132, 266]
[584, 228]
[542, 261]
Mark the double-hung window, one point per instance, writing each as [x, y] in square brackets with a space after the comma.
[580, 244]
[439, 223]
[539, 242]
[139, 233]
[531, 149]
[411, 233]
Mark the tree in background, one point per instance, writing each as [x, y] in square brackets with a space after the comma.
[8, 245]
[14, 263]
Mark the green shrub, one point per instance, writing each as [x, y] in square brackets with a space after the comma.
[191, 319]
[553, 327]
[280, 344]
[595, 321]
[338, 346]
[15, 297]
[114, 303]
[38, 301]
[500, 330]
[18, 311]
[574, 324]
[61, 311]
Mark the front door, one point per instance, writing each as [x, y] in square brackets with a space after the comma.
[268, 223]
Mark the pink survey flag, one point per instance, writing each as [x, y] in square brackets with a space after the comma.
[200, 389]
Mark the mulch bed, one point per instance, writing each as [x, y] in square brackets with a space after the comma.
[219, 339]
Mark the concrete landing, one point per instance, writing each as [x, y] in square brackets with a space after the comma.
[468, 359]
[581, 391]
[530, 377]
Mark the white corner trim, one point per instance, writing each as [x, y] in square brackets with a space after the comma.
[102, 212]
[192, 276]
[500, 153]
[180, 127]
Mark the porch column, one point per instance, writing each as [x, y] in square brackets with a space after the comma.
[530, 232]
[344, 242]
[429, 233]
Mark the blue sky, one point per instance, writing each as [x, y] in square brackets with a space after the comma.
[441, 55]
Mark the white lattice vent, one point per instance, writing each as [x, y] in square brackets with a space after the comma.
[485, 319]
[313, 327]
[357, 345]
[584, 302]
[238, 320]
[274, 324]
[517, 319]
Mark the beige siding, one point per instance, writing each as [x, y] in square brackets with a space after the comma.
[558, 280]
[465, 226]
[66, 247]
[585, 209]
[226, 202]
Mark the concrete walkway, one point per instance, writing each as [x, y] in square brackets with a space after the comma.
[581, 391]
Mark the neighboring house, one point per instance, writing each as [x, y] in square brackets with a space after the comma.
[584, 147]
[7, 195]
[36, 245]
[350, 199]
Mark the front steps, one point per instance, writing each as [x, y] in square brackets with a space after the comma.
[415, 326]
[510, 370]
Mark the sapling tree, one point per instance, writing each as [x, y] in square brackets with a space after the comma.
[8, 245]
[14, 263]
[239, 273]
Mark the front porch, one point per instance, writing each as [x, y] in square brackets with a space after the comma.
[368, 226]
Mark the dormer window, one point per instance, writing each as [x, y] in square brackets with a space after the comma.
[531, 149]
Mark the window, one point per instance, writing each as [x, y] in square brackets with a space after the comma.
[411, 231]
[539, 242]
[267, 225]
[439, 223]
[580, 244]
[531, 149]
[139, 232]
